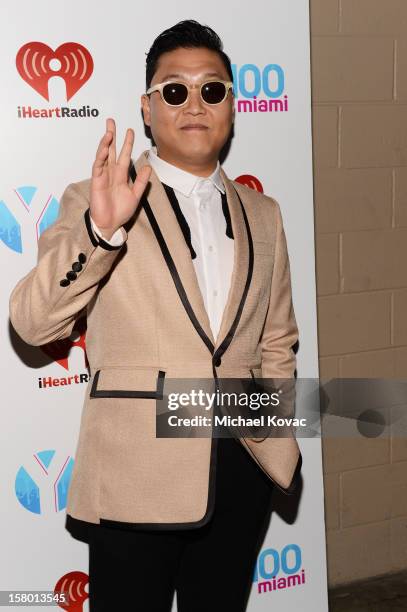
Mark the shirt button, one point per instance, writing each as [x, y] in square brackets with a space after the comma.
[210, 247]
[215, 293]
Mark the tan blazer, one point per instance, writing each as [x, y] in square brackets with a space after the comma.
[146, 321]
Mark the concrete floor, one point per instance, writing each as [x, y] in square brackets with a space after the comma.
[380, 594]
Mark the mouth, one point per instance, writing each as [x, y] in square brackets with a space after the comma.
[196, 126]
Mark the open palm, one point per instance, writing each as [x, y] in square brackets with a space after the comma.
[113, 201]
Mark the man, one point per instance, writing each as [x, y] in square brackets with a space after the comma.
[182, 273]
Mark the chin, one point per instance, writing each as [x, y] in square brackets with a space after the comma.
[199, 157]
[199, 151]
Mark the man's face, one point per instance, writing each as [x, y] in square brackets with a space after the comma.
[191, 135]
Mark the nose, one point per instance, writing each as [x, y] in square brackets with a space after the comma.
[194, 105]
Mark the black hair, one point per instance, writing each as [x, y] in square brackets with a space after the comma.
[187, 34]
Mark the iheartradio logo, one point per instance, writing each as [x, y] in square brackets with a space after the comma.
[250, 181]
[71, 61]
[73, 586]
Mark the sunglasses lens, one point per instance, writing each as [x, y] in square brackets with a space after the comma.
[213, 92]
[175, 93]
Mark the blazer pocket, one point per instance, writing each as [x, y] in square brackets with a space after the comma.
[136, 382]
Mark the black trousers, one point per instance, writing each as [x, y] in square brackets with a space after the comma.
[209, 568]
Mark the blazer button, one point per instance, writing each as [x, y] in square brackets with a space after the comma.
[217, 361]
[71, 275]
[65, 282]
[76, 266]
[82, 257]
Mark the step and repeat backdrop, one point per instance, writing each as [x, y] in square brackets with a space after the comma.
[51, 122]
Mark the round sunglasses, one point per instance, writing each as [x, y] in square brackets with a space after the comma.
[176, 93]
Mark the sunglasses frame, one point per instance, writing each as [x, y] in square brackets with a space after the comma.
[159, 87]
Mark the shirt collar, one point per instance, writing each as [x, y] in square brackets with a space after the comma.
[179, 179]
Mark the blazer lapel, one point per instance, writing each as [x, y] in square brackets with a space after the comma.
[179, 252]
[182, 268]
[242, 268]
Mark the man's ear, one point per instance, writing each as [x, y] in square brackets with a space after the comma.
[233, 105]
[145, 105]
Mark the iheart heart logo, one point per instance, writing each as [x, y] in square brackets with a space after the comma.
[73, 585]
[33, 64]
[250, 181]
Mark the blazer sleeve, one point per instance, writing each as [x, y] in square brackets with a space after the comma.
[71, 260]
[280, 332]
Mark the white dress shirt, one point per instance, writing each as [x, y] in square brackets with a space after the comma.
[201, 204]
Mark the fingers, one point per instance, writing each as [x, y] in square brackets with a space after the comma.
[106, 154]
[125, 153]
[111, 127]
[141, 181]
[102, 153]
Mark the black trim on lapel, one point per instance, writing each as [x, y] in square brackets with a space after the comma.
[180, 218]
[132, 171]
[183, 222]
[171, 265]
[175, 276]
[226, 214]
[229, 336]
[178, 283]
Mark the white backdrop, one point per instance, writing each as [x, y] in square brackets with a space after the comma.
[268, 42]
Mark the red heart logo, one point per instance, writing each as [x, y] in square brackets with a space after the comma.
[250, 181]
[73, 585]
[33, 64]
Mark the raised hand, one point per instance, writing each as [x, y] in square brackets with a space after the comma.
[112, 200]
